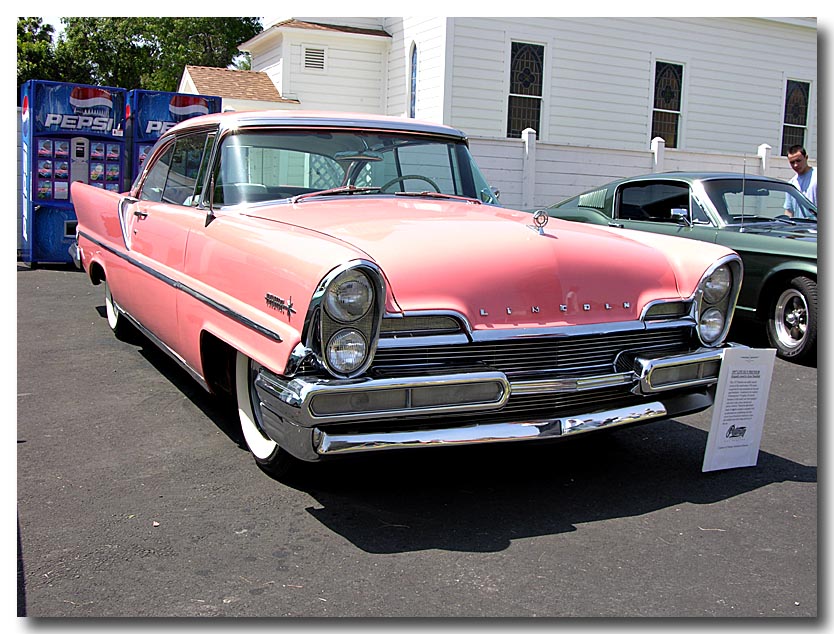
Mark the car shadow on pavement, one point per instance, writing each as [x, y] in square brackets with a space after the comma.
[221, 411]
[480, 498]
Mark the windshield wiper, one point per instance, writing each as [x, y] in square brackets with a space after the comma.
[744, 218]
[428, 194]
[338, 191]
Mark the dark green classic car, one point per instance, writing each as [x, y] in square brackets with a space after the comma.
[771, 225]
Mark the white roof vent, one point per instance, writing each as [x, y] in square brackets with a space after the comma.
[314, 58]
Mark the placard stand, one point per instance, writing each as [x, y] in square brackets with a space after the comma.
[739, 410]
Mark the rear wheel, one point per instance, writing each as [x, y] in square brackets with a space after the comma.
[792, 321]
[116, 319]
[267, 453]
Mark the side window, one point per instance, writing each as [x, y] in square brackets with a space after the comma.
[652, 201]
[699, 215]
[154, 184]
[185, 167]
[174, 177]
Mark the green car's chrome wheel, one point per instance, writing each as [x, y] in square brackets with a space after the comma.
[792, 324]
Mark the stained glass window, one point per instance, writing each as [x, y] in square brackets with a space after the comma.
[668, 89]
[526, 81]
[796, 114]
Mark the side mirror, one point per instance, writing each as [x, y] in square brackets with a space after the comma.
[681, 216]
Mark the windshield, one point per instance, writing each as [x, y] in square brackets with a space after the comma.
[762, 200]
[269, 165]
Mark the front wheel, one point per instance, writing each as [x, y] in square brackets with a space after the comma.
[792, 320]
[267, 453]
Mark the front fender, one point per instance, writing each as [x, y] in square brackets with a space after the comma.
[252, 282]
[777, 278]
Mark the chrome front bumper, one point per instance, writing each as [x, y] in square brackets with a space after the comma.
[304, 415]
[333, 443]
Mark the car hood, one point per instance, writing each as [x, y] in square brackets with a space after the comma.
[801, 231]
[490, 265]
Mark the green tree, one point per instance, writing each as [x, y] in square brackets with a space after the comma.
[199, 42]
[35, 51]
[134, 52]
[105, 51]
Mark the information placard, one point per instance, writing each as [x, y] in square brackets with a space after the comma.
[739, 410]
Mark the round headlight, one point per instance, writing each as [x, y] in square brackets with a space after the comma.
[717, 285]
[711, 325]
[346, 351]
[349, 297]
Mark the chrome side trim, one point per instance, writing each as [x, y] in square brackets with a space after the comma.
[331, 444]
[205, 299]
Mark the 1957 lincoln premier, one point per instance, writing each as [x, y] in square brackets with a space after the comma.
[353, 284]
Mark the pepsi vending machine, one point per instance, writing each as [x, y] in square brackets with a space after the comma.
[150, 113]
[71, 132]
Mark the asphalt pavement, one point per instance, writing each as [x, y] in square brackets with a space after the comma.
[137, 498]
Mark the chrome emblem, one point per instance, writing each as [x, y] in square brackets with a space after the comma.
[278, 303]
[535, 310]
[540, 220]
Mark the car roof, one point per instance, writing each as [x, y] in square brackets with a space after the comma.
[688, 177]
[310, 118]
[693, 176]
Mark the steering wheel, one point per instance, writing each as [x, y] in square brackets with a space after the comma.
[400, 179]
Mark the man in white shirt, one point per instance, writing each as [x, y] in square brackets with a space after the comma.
[805, 178]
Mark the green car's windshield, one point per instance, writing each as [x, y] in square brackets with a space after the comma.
[762, 201]
[268, 165]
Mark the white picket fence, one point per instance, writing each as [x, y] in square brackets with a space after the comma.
[529, 173]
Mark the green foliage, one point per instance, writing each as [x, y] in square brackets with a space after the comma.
[35, 53]
[131, 52]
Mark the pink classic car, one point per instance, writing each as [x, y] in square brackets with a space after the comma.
[352, 283]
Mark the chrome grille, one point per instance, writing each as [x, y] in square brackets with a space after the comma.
[516, 357]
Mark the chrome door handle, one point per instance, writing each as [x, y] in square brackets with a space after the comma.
[139, 213]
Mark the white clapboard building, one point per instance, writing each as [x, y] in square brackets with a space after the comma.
[554, 106]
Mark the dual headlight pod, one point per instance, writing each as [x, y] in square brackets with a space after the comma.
[352, 305]
[717, 294]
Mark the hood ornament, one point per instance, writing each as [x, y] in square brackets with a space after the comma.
[540, 219]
